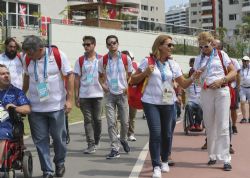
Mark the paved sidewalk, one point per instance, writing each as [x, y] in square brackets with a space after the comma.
[191, 160]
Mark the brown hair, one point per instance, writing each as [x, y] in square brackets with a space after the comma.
[205, 37]
[160, 40]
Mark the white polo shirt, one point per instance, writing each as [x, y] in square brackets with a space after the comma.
[153, 92]
[115, 71]
[16, 70]
[245, 76]
[194, 93]
[57, 92]
[89, 88]
[214, 71]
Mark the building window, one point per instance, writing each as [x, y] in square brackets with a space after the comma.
[233, 17]
[12, 7]
[152, 19]
[194, 21]
[233, 2]
[144, 8]
[194, 13]
[156, 8]
[193, 4]
[2, 6]
[144, 18]
[156, 20]
[152, 8]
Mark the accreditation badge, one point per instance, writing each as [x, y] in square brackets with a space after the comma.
[4, 115]
[43, 91]
[114, 84]
[168, 95]
[90, 78]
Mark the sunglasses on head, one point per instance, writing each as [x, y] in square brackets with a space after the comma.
[112, 43]
[86, 44]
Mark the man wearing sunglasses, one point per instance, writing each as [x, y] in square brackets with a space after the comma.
[89, 93]
[113, 74]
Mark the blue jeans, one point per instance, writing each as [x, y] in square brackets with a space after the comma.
[194, 109]
[159, 119]
[43, 124]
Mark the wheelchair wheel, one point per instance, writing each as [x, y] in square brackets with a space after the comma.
[27, 164]
[10, 174]
[186, 123]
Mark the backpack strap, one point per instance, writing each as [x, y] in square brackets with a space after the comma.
[57, 56]
[125, 61]
[221, 60]
[19, 57]
[81, 61]
[105, 61]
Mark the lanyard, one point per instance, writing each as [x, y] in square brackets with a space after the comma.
[118, 59]
[85, 68]
[163, 70]
[208, 64]
[45, 75]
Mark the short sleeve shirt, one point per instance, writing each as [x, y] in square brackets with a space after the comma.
[116, 74]
[89, 82]
[15, 67]
[56, 87]
[153, 92]
[214, 70]
[245, 76]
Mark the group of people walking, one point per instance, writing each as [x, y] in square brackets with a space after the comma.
[52, 86]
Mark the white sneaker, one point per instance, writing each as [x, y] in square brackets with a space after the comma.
[157, 172]
[132, 138]
[165, 167]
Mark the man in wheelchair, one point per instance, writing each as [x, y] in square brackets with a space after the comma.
[11, 98]
[193, 110]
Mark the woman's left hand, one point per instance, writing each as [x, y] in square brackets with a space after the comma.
[216, 84]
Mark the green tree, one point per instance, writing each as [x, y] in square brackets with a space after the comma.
[220, 32]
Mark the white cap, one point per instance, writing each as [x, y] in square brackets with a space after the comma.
[246, 58]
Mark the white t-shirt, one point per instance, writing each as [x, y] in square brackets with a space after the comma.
[245, 76]
[194, 93]
[57, 92]
[116, 74]
[154, 90]
[16, 70]
[214, 71]
[237, 68]
[89, 83]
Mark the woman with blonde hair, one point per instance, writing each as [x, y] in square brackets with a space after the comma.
[217, 69]
[158, 99]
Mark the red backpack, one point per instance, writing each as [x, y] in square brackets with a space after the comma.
[124, 60]
[82, 58]
[231, 89]
[135, 92]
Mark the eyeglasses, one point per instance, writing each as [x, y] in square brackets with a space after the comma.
[169, 45]
[86, 44]
[112, 43]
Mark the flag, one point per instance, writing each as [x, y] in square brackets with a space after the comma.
[44, 22]
[22, 11]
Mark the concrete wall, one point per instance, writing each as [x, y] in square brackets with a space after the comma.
[69, 40]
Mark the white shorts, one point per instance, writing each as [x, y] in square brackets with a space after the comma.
[244, 94]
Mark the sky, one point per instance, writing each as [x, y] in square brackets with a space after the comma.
[169, 3]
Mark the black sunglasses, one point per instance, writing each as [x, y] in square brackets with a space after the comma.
[86, 44]
[112, 43]
[206, 46]
[169, 45]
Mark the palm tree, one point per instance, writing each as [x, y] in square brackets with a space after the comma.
[2, 14]
[220, 32]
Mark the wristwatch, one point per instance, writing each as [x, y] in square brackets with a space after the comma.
[224, 80]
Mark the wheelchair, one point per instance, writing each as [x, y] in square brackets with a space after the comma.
[14, 154]
[194, 114]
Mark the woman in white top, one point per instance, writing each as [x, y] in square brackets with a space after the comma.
[158, 99]
[215, 98]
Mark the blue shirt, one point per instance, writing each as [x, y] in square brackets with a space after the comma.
[15, 96]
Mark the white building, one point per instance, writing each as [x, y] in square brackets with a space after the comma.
[178, 15]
